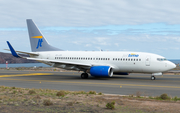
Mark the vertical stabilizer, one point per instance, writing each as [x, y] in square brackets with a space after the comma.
[37, 40]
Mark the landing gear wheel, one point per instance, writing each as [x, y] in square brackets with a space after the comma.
[84, 75]
[153, 77]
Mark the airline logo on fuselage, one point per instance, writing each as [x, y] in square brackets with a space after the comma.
[39, 44]
[133, 55]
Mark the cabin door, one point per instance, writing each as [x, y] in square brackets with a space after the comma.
[148, 60]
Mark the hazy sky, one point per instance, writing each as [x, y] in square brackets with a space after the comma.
[111, 25]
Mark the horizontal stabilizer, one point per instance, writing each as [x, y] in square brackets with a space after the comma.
[34, 54]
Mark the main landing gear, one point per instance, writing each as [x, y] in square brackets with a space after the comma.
[153, 77]
[84, 75]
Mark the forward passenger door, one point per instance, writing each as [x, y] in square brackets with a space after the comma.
[148, 61]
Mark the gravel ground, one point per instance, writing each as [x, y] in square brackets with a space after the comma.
[23, 100]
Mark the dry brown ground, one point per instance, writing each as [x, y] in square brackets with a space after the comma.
[19, 100]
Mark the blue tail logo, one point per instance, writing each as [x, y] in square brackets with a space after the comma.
[39, 43]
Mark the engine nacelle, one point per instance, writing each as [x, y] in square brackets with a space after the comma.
[101, 71]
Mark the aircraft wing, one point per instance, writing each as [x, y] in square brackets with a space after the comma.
[60, 62]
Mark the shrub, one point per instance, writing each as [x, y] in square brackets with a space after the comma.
[92, 92]
[70, 103]
[110, 105]
[176, 98]
[99, 93]
[80, 92]
[164, 96]
[13, 87]
[47, 102]
[14, 92]
[138, 94]
[131, 95]
[60, 93]
[37, 97]
[32, 92]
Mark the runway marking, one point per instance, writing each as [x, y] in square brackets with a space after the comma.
[134, 85]
[150, 76]
[31, 74]
[146, 76]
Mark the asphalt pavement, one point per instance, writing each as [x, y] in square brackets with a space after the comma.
[118, 84]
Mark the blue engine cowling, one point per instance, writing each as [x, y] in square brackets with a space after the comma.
[101, 71]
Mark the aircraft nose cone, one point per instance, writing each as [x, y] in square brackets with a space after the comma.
[172, 65]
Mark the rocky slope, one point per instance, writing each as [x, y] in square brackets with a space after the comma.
[8, 57]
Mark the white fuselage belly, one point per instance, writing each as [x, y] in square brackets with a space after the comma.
[119, 61]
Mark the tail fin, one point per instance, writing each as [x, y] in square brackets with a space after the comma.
[37, 40]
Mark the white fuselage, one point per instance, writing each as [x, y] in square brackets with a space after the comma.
[120, 61]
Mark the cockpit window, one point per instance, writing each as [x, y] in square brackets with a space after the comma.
[161, 59]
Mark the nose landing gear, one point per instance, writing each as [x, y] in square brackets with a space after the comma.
[153, 77]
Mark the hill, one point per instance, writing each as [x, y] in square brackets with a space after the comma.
[8, 57]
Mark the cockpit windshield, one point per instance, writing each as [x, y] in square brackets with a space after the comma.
[161, 59]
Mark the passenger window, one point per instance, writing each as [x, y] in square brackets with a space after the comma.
[139, 59]
[136, 59]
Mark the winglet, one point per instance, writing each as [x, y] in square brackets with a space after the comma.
[12, 50]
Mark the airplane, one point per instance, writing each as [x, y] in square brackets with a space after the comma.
[95, 63]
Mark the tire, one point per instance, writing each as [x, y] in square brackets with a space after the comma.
[153, 77]
[84, 75]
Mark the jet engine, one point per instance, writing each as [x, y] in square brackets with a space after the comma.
[101, 71]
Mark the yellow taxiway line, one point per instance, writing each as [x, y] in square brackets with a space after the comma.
[30, 74]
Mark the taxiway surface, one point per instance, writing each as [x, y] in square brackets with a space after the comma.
[118, 84]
